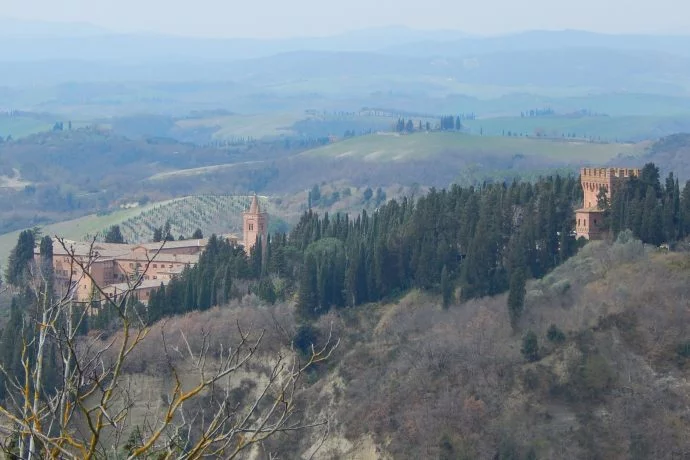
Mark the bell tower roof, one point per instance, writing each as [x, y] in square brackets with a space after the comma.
[254, 207]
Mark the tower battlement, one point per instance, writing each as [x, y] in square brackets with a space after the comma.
[595, 179]
[589, 219]
[593, 173]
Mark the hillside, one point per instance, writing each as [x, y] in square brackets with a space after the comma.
[419, 146]
[412, 380]
[211, 214]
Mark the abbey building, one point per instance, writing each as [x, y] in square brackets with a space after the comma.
[91, 271]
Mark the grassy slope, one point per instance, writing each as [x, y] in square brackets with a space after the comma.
[391, 147]
[255, 126]
[604, 128]
[19, 127]
[73, 229]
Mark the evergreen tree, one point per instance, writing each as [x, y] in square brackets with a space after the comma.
[530, 347]
[20, 257]
[446, 287]
[197, 235]
[307, 300]
[158, 234]
[114, 235]
[516, 295]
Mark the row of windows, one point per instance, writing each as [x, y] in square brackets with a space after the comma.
[131, 265]
[584, 222]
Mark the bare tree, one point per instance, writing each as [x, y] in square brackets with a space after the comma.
[89, 413]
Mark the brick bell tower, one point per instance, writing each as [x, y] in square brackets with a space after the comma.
[255, 225]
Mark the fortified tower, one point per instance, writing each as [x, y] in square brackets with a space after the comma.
[255, 225]
[590, 219]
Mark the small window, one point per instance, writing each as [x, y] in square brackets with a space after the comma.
[595, 221]
[170, 266]
[131, 265]
[155, 277]
[155, 265]
[251, 227]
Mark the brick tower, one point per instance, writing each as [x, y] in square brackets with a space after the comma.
[589, 220]
[255, 225]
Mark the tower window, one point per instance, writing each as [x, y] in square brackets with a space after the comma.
[251, 227]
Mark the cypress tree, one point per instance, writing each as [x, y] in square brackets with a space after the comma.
[307, 300]
[446, 287]
[516, 295]
[19, 258]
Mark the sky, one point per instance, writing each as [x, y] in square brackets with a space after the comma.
[290, 18]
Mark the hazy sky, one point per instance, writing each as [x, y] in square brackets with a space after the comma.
[281, 18]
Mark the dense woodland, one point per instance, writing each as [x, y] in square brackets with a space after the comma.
[471, 238]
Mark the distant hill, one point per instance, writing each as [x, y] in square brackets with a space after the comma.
[671, 153]
[544, 40]
[22, 28]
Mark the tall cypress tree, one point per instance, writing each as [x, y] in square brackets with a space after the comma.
[516, 295]
[307, 300]
[20, 257]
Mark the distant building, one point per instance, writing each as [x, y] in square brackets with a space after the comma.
[117, 267]
[589, 220]
[255, 225]
[92, 272]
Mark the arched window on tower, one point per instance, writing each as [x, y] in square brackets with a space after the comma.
[251, 227]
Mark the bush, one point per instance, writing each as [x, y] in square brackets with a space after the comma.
[530, 347]
[555, 335]
[597, 375]
[305, 337]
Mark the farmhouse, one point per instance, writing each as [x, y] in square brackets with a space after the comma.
[82, 268]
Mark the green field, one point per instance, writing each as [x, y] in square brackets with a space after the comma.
[20, 126]
[603, 128]
[394, 147]
[237, 126]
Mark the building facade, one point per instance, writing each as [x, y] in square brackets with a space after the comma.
[589, 220]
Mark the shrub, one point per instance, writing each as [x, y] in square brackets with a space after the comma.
[555, 335]
[683, 349]
[305, 337]
[597, 375]
[530, 347]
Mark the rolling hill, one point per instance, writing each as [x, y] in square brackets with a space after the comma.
[419, 146]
